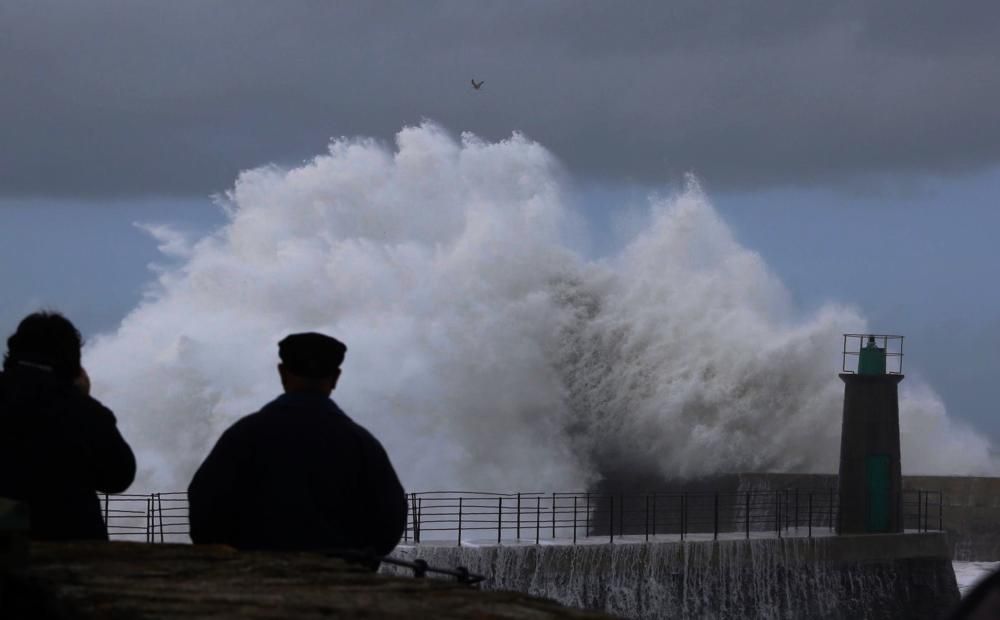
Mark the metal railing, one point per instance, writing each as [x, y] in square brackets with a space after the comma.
[891, 347]
[534, 517]
[577, 517]
[156, 517]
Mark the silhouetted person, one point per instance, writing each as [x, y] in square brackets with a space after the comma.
[299, 474]
[982, 602]
[58, 446]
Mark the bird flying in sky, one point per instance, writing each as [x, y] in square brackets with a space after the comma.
[477, 85]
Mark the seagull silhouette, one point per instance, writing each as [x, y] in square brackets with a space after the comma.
[477, 85]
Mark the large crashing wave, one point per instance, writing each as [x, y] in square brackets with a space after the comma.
[482, 351]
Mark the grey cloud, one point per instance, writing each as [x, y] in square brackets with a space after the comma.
[112, 98]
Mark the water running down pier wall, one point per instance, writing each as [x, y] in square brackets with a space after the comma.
[873, 576]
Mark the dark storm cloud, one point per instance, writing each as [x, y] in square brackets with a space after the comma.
[105, 98]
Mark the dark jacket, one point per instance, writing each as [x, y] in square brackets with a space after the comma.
[298, 475]
[58, 448]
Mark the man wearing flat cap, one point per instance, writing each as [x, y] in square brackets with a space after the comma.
[299, 474]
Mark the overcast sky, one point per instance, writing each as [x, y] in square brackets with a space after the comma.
[807, 122]
[122, 98]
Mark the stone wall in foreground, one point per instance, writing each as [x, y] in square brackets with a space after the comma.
[138, 581]
[872, 576]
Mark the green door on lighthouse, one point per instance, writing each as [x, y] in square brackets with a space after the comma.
[878, 493]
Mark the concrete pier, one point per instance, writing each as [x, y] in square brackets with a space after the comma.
[865, 576]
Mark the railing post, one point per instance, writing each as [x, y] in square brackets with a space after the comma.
[777, 513]
[940, 511]
[715, 518]
[683, 514]
[149, 518]
[829, 515]
[810, 514]
[519, 515]
[411, 505]
[621, 514]
[538, 516]
[420, 511]
[746, 515]
[460, 521]
[574, 519]
[926, 508]
[499, 518]
[159, 510]
[918, 510]
[611, 519]
[553, 516]
[646, 517]
[797, 522]
[654, 515]
[588, 514]
[786, 510]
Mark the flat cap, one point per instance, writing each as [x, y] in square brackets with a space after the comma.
[311, 355]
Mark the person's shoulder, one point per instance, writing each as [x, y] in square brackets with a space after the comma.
[359, 432]
[244, 431]
[78, 401]
[252, 421]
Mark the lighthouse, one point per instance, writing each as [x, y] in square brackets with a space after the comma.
[870, 482]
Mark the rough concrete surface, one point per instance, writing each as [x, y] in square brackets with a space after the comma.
[879, 576]
[134, 581]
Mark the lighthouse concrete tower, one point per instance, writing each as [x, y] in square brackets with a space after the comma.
[870, 480]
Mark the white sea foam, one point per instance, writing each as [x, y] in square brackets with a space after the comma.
[482, 350]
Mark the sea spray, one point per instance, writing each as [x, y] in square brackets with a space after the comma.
[483, 351]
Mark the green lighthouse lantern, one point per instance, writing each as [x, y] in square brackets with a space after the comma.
[871, 358]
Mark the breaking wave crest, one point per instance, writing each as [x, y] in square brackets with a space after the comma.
[483, 351]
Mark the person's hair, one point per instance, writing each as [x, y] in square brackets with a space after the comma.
[47, 339]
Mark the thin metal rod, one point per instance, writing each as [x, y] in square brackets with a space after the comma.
[159, 505]
[611, 519]
[621, 515]
[519, 516]
[797, 522]
[646, 516]
[538, 516]
[777, 513]
[810, 515]
[918, 510]
[746, 515]
[683, 514]
[940, 510]
[574, 519]
[715, 515]
[553, 515]
[830, 511]
[654, 515]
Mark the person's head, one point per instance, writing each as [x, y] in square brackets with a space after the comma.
[45, 340]
[310, 362]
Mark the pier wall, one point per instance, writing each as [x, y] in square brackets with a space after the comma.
[869, 576]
